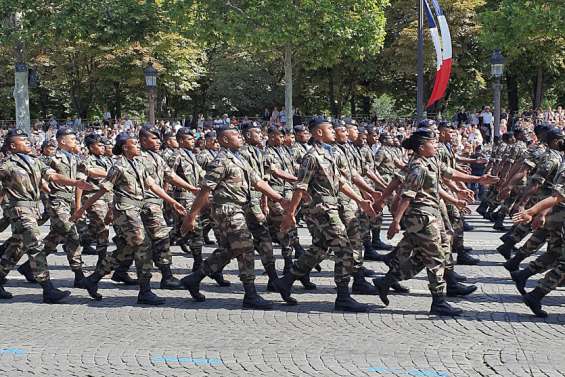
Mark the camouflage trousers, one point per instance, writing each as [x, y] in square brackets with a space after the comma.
[350, 214]
[490, 197]
[157, 231]
[234, 241]
[131, 241]
[194, 240]
[274, 221]
[553, 257]
[62, 230]
[97, 230]
[456, 221]
[422, 246]
[367, 226]
[550, 232]
[328, 232]
[25, 239]
[45, 214]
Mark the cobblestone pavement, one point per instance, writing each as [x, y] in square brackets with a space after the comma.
[496, 336]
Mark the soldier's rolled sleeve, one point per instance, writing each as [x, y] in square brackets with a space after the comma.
[215, 173]
[445, 171]
[305, 173]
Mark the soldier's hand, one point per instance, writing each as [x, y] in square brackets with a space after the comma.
[79, 213]
[465, 211]
[522, 218]
[466, 195]
[378, 206]
[538, 222]
[376, 196]
[488, 179]
[83, 185]
[288, 223]
[188, 224]
[179, 208]
[367, 207]
[285, 204]
[393, 229]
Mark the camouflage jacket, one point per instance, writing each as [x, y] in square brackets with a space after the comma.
[421, 184]
[347, 170]
[255, 157]
[230, 179]
[298, 152]
[20, 177]
[546, 172]
[127, 180]
[156, 168]
[93, 162]
[385, 161]
[278, 158]
[187, 167]
[205, 157]
[319, 176]
[65, 164]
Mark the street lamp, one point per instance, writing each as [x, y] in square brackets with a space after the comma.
[151, 84]
[496, 70]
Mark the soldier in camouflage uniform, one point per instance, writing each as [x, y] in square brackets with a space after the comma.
[168, 152]
[230, 179]
[319, 177]
[48, 148]
[207, 155]
[419, 208]
[62, 202]
[300, 146]
[555, 255]
[279, 168]
[93, 169]
[128, 179]
[20, 178]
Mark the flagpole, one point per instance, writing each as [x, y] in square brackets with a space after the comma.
[420, 63]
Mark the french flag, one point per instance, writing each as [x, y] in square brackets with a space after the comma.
[443, 51]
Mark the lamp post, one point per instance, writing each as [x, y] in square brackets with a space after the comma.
[420, 63]
[151, 84]
[496, 70]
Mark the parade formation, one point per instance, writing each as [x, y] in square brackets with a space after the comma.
[252, 185]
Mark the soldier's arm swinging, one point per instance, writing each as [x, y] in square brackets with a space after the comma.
[525, 217]
[179, 182]
[394, 227]
[289, 220]
[200, 202]
[284, 175]
[365, 205]
[96, 173]
[163, 195]
[265, 189]
[80, 211]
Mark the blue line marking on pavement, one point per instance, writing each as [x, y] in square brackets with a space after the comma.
[13, 351]
[187, 360]
[409, 372]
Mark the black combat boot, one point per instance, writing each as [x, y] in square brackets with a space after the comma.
[87, 248]
[121, 274]
[4, 295]
[79, 277]
[467, 227]
[383, 287]
[219, 278]
[499, 223]
[251, 300]
[441, 307]
[506, 249]
[168, 281]
[533, 300]
[399, 288]
[197, 262]
[464, 258]
[52, 295]
[91, 285]
[146, 296]
[273, 278]
[298, 250]
[361, 286]
[208, 241]
[191, 283]
[284, 286]
[367, 272]
[25, 270]
[346, 303]
[287, 265]
[458, 277]
[306, 283]
[513, 264]
[482, 208]
[369, 253]
[377, 244]
[521, 277]
[456, 289]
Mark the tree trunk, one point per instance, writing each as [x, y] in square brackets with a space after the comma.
[538, 97]
[288, 85]
[512, 89]
[117, 100]
[21, 88]
[353, 104]
[331, 93]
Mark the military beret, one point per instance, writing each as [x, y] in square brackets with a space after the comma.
[184, 131]
[299, 128]
[338, 124]
[121, 139]
[210, 135]
[350, 122]
[445, 124]
[362, 130]
[224, 128]
[554, 134]
[168, 134]
[274, 130]
[384, 136]
[92, 139]
[317, 121]
[371, 129]
[107, 142]
[64, 131]
[49, 143]
[250, 126]
[426, 123]
[14, 132]
[149, 129]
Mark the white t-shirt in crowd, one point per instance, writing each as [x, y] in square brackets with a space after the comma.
[487, 117]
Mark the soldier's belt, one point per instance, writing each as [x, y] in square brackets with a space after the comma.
[325, 200]
[24, 203]
[157, 201]
[62, 195]
[131, 202]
